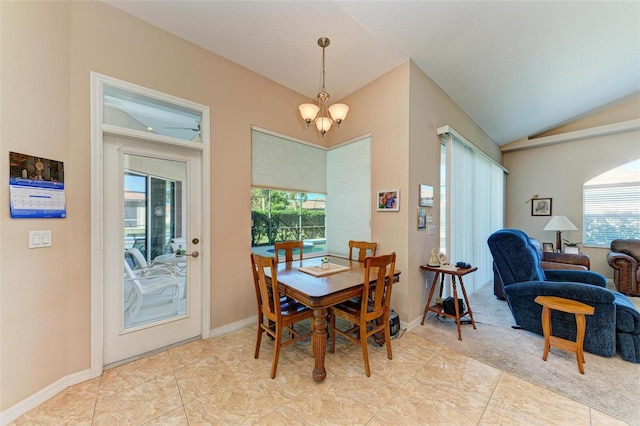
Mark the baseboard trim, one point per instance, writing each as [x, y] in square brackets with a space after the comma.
[43, 395]
[234, 326]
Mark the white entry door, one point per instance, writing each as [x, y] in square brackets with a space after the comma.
[152, 251]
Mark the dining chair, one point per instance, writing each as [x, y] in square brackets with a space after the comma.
[288, 247]
[363, 247]
[368, 316]
[275, 314]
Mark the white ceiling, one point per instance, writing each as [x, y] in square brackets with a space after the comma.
[516, 68]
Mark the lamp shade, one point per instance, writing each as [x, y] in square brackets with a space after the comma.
[308, 112]
[338, 112]
[323, 124]
[560, 223]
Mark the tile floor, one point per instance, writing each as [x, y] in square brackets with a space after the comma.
[217, 381]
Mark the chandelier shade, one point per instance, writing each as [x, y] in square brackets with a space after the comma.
[323, 115]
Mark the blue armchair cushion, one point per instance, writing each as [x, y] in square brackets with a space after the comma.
[576, 276]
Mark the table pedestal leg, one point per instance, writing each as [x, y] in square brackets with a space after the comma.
[319, 342]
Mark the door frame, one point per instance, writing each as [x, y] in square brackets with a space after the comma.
[97, 180]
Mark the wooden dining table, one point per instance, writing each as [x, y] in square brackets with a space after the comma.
[320, 293]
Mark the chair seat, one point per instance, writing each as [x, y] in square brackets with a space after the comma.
[292, 307]
[352, 306]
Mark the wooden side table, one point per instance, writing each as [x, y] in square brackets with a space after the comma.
[441, 272]
[579, 309]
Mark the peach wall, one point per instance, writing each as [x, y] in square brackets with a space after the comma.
[48, 50]
[560, 171]
[37, 285]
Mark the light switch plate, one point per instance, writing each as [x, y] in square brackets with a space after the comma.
[39, 239]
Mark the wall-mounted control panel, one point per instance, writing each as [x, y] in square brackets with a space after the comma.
[39, 239]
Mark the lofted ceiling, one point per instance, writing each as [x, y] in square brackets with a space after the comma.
[517, 68]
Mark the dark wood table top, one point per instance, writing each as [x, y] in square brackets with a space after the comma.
[322, 292]
[449, 269]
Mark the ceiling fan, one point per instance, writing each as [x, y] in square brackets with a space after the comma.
[185, 128]
[196, 137]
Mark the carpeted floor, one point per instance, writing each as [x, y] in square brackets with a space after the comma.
[610, 385]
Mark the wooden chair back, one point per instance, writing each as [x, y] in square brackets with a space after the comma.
[378, 272]
[362, 247]
[268, 300]
[288, 247]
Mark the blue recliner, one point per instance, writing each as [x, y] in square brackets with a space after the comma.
[615, 322]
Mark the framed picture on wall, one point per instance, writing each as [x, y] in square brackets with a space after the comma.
[426, 196]
[389, 200]
[541, 207]
[422, 219]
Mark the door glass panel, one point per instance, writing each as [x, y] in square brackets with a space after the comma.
[155, 270]
[134, 111]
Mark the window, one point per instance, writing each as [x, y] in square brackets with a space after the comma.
[285, 216]
[292, 182]
[151, 215]
[126, 108]
[474, 205]
[611, 204]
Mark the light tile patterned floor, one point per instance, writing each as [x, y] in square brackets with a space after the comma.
[218, 381]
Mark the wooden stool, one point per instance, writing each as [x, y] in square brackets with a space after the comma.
[570, 306]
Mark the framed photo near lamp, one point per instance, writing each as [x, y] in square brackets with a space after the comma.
[541, 207]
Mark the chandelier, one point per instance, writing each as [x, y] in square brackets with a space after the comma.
[322, 114]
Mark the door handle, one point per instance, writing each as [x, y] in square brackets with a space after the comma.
[194, 254]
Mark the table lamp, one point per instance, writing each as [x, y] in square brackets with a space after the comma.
[559, 224]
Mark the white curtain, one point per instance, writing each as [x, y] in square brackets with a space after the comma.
[476, 196]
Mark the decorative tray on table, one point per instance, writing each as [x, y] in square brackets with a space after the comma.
[318, 271]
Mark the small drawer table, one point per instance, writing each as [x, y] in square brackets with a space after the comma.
[441, 272]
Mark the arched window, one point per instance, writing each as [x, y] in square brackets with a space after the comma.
[611, 204]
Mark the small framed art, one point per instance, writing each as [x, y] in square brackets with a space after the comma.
[389, 200]
[426, 196]
[422, 219]
[547, 247]
[541, 207]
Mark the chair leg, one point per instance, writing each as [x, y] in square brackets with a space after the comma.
[387, 337]
[258, 340]
[365, 349]
[276, 352]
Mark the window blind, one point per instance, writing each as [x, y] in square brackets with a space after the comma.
[281, 163]
[611, 211]
[477, 209]
[348, 195]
